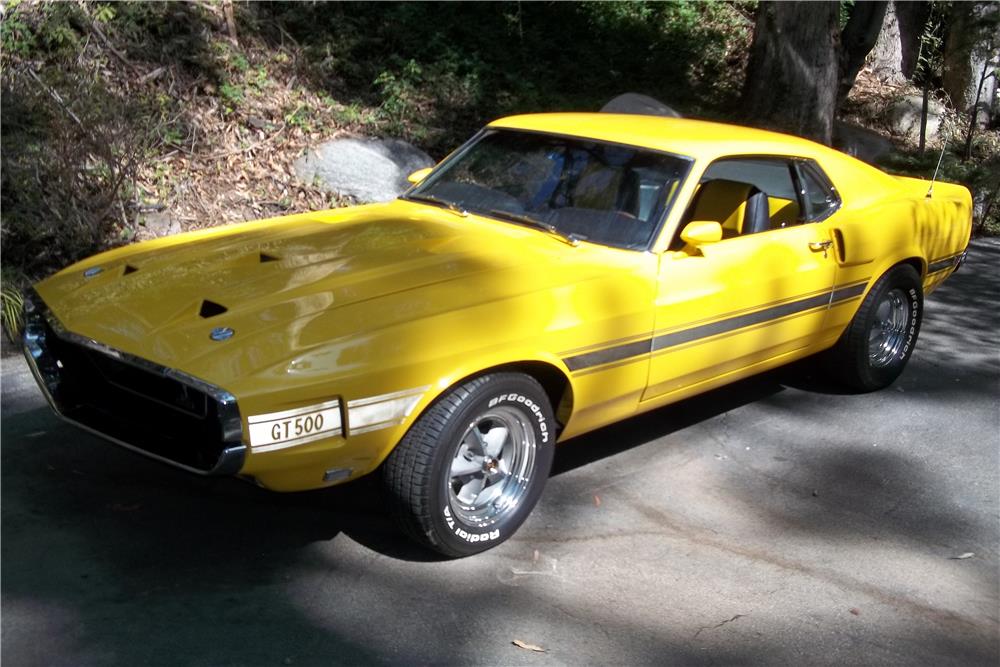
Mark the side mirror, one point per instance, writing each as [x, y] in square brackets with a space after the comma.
[700, 232]
[419, 175]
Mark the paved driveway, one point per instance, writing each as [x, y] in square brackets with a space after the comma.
[777, 520]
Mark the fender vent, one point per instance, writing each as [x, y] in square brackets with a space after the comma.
[129, 269]
[264, 257]
[211, 309]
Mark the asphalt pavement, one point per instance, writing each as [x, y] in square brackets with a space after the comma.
[779, 520]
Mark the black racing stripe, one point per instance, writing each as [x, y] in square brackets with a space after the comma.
[608, 355]
[849, 292]
[663, 341]
[942, 264]
[738, 322]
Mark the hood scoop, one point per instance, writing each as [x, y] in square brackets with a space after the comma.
[211, 309]
[264, 257]
[129, 269]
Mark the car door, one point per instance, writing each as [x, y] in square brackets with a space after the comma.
[755, 297]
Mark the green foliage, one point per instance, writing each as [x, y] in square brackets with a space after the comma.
[930, 54]
[239, 62]
[299, 117]
[399, 93]
[71, 151]
[104, 13]
[30, 30]
[231, 94]
[17, 37]
[440, 69]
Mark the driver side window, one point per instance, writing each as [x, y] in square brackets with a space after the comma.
[773, 178]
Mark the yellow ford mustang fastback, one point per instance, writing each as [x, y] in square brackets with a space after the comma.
[555, 274]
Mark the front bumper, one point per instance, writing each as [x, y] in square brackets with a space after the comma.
[156, 411]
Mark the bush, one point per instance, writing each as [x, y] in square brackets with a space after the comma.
[71, 150]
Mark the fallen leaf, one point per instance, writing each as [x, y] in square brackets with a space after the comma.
[528, 647]
[855, 611]
[966, 555]
[597, 501]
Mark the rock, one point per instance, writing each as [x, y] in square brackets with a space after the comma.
[634, 103]
[904, 117]
[370, 170]
[861, 142]
[158, 223]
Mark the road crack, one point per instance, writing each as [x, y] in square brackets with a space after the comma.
[719, 625]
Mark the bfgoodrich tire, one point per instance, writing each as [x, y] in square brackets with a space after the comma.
[472, 467]
[874, 349]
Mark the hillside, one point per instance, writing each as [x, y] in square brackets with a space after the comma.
[131, 120]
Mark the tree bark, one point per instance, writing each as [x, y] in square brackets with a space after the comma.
[859, 36]
[970, 45]
[886, 59]
[792, 72]
[911, 15]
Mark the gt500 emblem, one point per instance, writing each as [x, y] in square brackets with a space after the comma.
[277, 430]
[543, 425]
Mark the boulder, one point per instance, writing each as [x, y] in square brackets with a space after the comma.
[636, 103]
[861, 142]
[155, 224]
[369, 170]
[904, 117]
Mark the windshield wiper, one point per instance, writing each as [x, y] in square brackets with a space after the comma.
[571, 239]
[430, 199]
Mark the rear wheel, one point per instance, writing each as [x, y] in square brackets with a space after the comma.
[874, 349]
[472, 467]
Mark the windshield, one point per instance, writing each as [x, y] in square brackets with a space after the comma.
[600, 192]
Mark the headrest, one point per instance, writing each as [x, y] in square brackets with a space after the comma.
[722, 201]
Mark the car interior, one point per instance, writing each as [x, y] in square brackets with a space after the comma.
[745, 196]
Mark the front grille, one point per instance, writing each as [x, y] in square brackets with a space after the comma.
[134, 402]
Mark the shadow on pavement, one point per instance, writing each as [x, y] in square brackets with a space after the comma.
[151, 565]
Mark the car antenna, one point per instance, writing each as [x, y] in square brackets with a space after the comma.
[930, 190]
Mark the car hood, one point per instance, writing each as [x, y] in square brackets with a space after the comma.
[288, 285]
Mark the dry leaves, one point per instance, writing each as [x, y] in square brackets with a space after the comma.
[528, 647]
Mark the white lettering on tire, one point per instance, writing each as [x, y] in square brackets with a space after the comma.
[466, 535]
[543, 424]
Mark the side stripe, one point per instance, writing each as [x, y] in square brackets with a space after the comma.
[726, 325]
[942, 264]
[607, 355]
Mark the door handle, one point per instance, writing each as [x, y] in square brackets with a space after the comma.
[820, 245]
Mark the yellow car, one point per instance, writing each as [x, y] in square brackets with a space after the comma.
[555, 274]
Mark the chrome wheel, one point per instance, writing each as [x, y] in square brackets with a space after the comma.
[491, 469]
[887, 334]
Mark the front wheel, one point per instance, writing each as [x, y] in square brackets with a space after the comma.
[471, 468]
[874, 349]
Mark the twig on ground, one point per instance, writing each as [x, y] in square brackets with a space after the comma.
[93, 27]
[59, 100]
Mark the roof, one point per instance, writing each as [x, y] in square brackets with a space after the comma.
[707, 141]
[683, 136]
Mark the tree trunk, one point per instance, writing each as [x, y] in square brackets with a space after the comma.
[911, 15]
[886, 59]
[792, 72]
[971, 44]
[857, 40]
